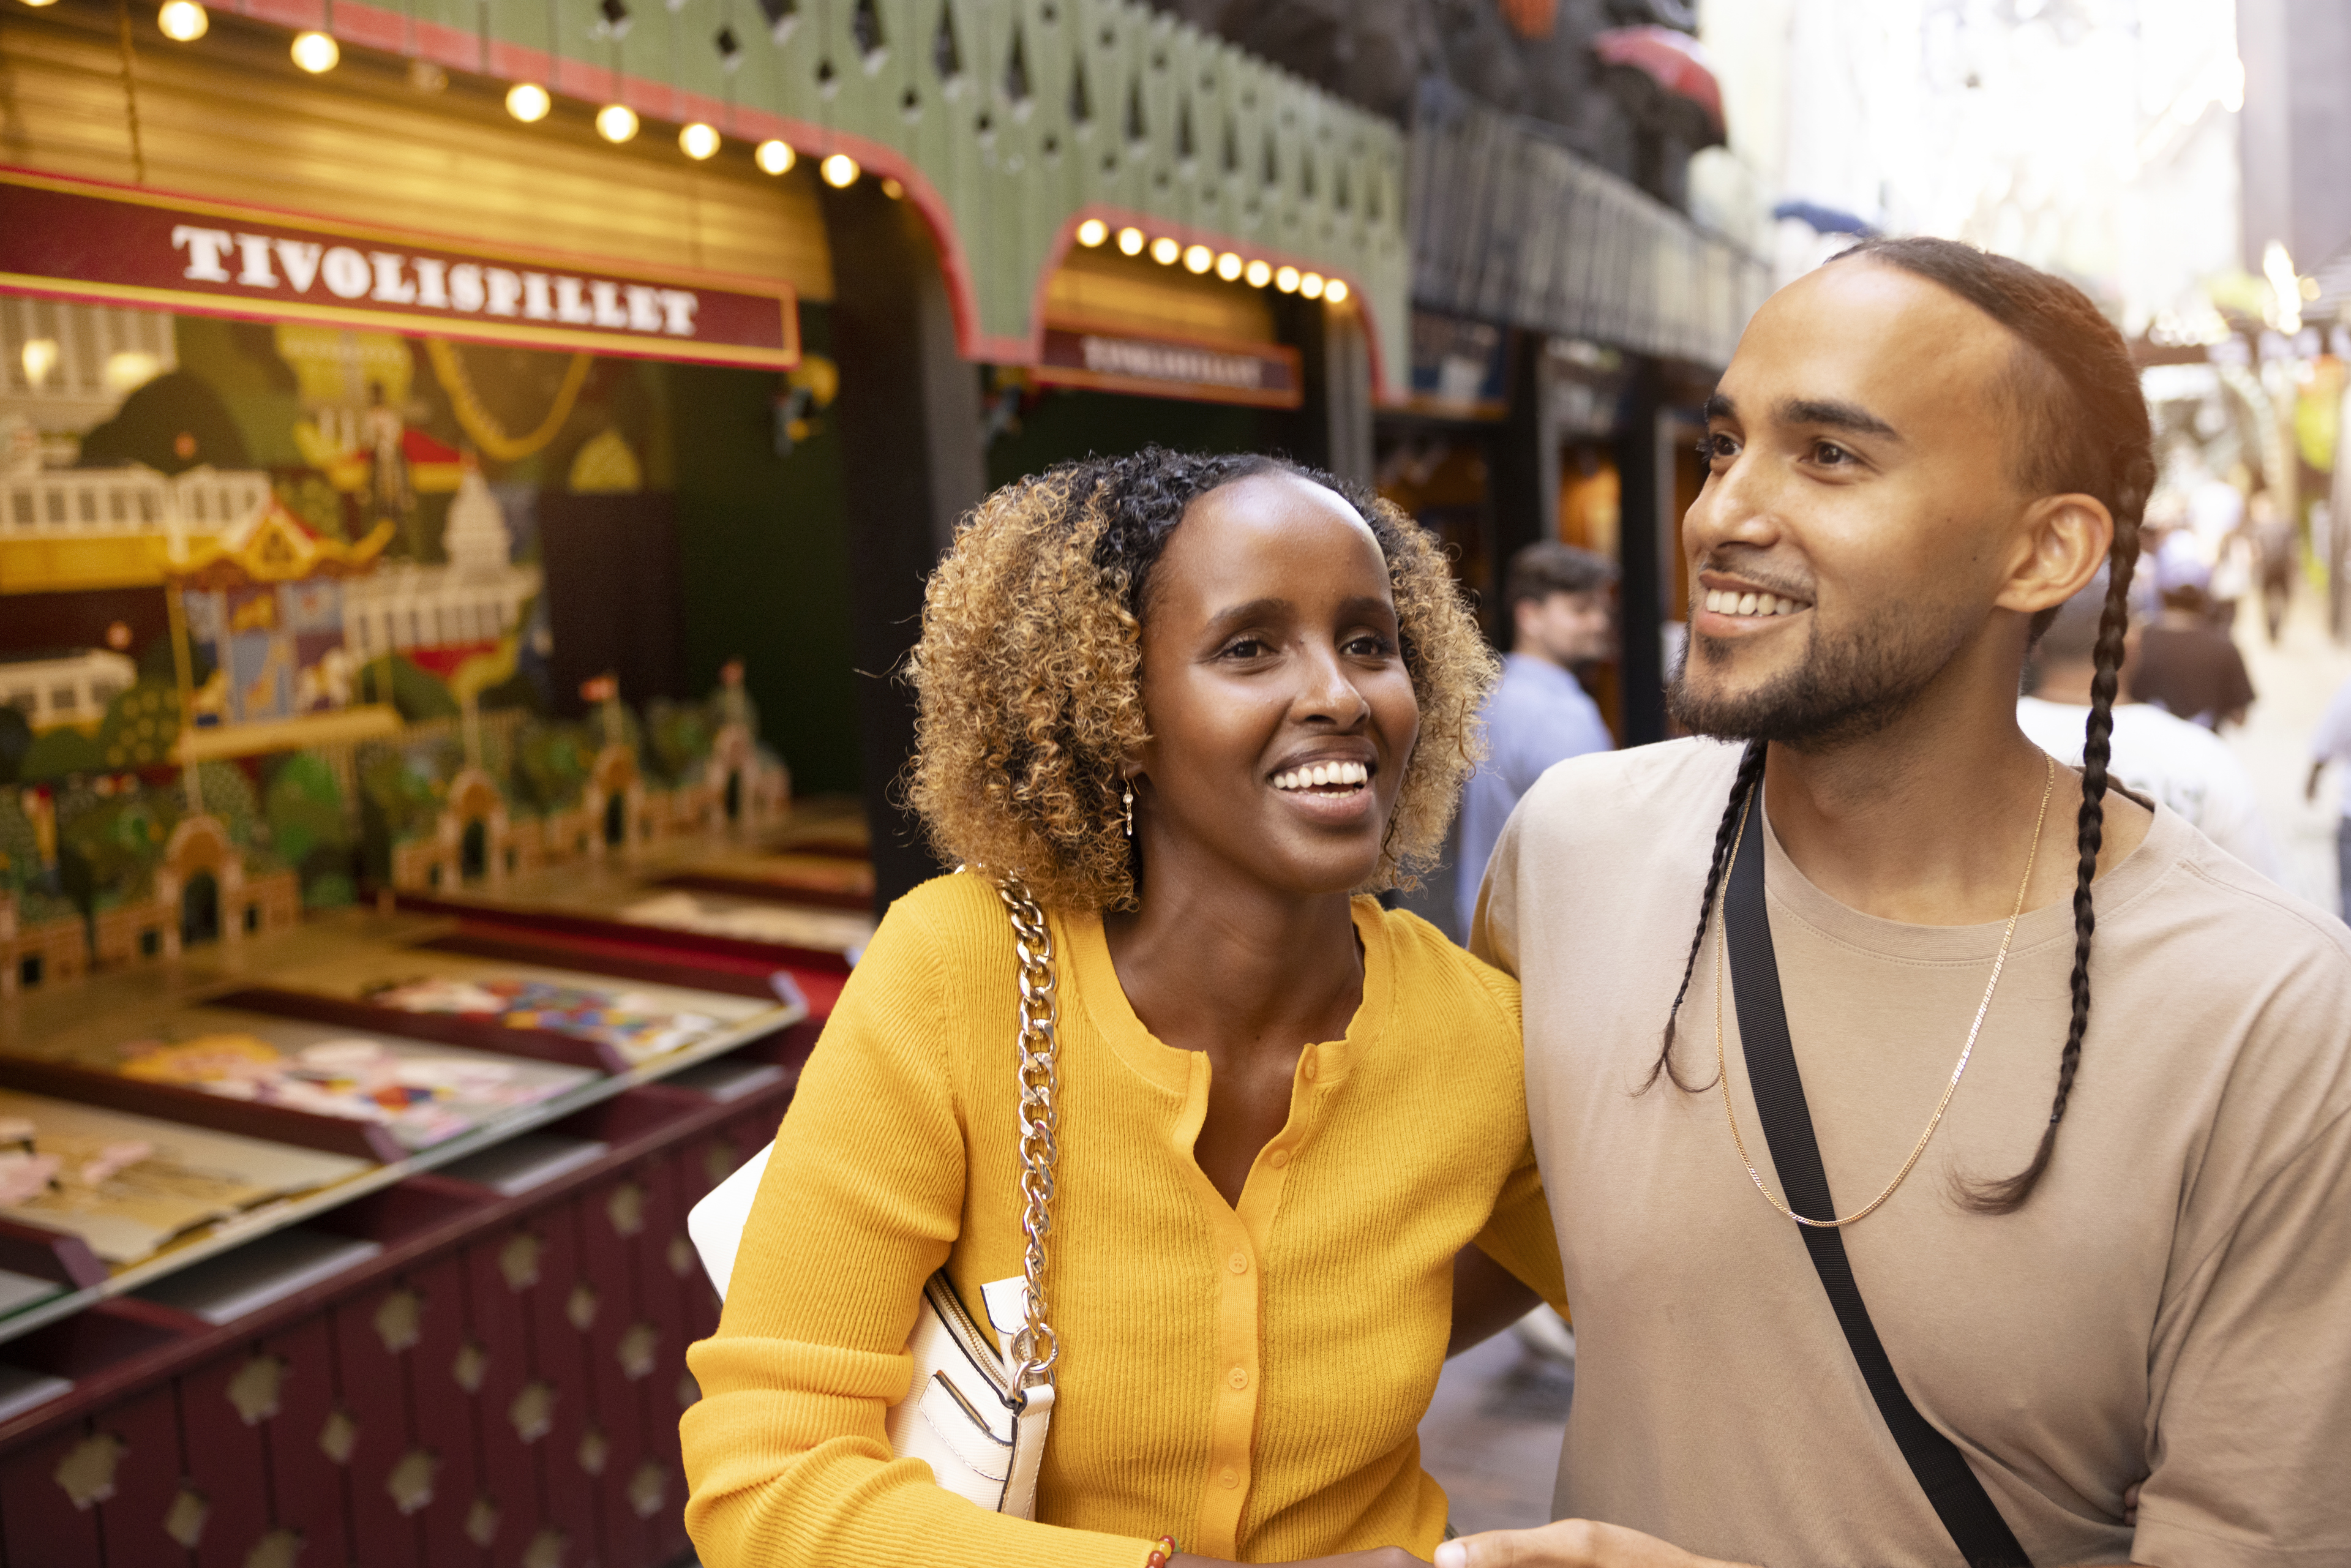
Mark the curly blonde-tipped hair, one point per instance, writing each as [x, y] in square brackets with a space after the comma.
[1029, 672]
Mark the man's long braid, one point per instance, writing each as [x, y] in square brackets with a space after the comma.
[1749, 779]
[2007, 1195]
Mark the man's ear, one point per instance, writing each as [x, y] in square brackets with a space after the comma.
[2063, 541]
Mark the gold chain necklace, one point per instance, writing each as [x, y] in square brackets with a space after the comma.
[1933, 1122]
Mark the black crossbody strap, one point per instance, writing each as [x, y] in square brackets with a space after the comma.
[1983, 1537]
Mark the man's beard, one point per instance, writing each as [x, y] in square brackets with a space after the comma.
[1840, 690]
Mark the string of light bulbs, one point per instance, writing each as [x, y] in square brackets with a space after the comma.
[185, 21]
[1230, 265]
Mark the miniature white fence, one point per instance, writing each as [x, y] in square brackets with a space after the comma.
[112, 501]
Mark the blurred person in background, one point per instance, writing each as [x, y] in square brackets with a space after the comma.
[2186, 766]
[2332, 743]
[2273, 544]
[1557, 600]
[2185, 664]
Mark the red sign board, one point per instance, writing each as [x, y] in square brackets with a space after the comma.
[1264, 374]
[70, 239]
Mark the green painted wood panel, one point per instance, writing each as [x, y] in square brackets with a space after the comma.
[1008, 121]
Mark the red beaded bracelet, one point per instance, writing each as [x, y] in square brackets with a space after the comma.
[1162, 1552]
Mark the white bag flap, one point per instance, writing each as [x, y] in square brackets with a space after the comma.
[1007, 1305]
[715, 1223]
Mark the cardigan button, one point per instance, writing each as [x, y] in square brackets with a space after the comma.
[1238, 1376]
[1306, 1068]
[1240, 1264]
[1231, 1478]
[1279, 1158]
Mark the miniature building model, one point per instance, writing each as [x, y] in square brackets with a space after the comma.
[74, 689]
[41, 952]
[264, 602]
[470, 841]
[474, 600]
[616, 803]
[748, 787]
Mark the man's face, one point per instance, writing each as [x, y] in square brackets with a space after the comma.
[1859, 514]
[1567, 628]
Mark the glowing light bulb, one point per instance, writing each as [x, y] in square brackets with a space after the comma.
[40, 356]
[776, 157]
[1092, 232]
[1286, 280]
[528, 102]
[1310, 285]
[1335, 292]
[1258, 274]
[840, 170]
[1164, 251]
[183, 21]
[1198, 259]
[697, 141]
[37, 4]
[315, 52]
[1130, 242]
[1228, 266]
[616, 123]
[891, 189]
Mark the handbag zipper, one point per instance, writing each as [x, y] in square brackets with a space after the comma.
[974, 1342]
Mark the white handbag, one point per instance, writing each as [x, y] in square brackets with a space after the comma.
[978, 1424]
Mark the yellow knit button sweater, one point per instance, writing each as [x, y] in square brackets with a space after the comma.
[1249, 1380]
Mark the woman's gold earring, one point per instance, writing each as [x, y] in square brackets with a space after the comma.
[1126, 806]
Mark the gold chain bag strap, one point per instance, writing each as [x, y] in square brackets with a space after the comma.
[978, 1424]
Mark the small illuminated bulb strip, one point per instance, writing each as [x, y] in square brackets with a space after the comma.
[1230, 265]
[1324, 775]
[1729, 601]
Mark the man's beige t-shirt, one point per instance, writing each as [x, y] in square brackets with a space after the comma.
[2174, 1302]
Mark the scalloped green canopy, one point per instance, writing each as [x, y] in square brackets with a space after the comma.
[1009, 124]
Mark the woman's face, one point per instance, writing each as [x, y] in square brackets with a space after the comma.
[1270, 662]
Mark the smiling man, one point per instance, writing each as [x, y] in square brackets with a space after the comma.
[2062, 1092]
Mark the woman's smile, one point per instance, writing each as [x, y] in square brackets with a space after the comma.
[1328, 786]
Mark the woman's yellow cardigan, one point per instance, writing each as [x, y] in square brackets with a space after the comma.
[1248, 1381]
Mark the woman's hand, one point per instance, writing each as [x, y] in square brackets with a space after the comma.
[1379, 1557]
[1569, 1543]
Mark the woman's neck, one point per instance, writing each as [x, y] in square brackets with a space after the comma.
[1219, 965]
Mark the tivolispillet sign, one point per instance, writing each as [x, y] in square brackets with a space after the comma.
[75, 239]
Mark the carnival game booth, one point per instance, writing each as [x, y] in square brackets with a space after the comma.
[434, 786]
[341, 558]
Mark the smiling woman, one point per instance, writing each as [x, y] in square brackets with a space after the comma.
[1031, 663]
[1200, 706]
